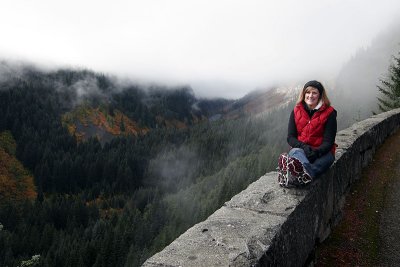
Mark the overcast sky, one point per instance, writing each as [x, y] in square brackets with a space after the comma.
[220, 47]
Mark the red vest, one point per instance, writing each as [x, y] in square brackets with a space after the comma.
[311, 131]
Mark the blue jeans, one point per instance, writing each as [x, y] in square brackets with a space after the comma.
[320, 165]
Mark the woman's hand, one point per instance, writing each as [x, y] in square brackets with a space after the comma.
[311, 154]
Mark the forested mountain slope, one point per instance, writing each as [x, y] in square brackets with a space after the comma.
[121, 170]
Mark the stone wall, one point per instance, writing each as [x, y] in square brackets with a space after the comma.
[266, 225]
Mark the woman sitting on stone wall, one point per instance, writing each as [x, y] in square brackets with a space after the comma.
[311, 135]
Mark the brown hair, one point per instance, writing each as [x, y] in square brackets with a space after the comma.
[322, 96]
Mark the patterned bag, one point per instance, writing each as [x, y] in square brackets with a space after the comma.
[291, 172]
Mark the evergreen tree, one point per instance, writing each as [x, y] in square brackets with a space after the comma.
[390, 88]
[122, 125]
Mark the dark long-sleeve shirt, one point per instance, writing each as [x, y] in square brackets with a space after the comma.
[329, 132]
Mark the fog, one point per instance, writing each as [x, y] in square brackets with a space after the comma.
[221, 48]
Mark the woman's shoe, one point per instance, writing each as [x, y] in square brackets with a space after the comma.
[291, 172]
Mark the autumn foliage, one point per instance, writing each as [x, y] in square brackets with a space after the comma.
[115, 124]
[16, 183]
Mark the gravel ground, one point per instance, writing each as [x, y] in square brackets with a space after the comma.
[369, 233]
[389, 232]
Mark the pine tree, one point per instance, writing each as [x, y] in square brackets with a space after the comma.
[122, 125]
[390, 88]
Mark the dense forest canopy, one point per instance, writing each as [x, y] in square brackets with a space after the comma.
[101, 201]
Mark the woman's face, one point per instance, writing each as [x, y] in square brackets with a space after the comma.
[311, 97]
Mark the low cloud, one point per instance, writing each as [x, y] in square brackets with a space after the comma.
[225, 48]
[173, 168]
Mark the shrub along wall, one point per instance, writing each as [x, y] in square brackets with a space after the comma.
[266, 225]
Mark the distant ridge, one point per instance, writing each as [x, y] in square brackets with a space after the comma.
[100, 106]
[260, 101]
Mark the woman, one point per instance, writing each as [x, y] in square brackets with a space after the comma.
[311, 134]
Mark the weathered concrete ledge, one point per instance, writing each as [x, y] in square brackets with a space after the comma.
[266, 225]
